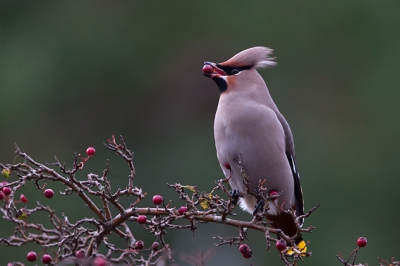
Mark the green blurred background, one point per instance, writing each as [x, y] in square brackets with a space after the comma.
[73, 73]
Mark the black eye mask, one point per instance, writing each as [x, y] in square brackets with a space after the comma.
[233, 70]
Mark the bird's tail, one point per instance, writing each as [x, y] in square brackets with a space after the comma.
[286, 223]
[301, 245]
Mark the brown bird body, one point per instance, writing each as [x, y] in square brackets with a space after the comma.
[249, 126]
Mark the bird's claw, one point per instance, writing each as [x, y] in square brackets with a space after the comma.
[259, 207]
[235, 194]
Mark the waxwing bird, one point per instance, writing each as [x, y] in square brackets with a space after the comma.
[249, 126]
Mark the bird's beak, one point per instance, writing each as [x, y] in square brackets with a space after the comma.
[211, 70]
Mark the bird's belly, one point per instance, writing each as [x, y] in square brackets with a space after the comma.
[261, 148]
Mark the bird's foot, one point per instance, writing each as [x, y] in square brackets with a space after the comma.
[259, 207]
[235, 194]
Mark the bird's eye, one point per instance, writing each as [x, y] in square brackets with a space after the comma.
[234, 71]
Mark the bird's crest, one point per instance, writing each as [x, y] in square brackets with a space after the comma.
[256, 57]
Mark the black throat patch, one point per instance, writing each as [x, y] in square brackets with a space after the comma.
[222, 85]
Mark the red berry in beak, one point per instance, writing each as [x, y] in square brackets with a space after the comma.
[207, 69]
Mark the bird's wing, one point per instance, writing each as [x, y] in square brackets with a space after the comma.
[290, 154]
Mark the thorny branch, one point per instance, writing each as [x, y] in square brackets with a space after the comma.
[66, 239]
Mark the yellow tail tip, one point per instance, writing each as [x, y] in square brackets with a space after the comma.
[301, 249]
[302, 246]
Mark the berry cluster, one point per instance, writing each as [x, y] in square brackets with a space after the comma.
[78, 242]
[6, 192]
[46, 258]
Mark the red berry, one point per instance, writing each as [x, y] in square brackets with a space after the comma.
[80, 254]
[6, 191]
[362, 242]
[48, 193]
[244, 249]
[100, 261]
[31, 256]
[207, 69]
[281, 245]
[247, 255]
[141, 219]
[90, 151]
[273, 193]
[182, 210]
[157, 199]
[46, 259]
[23, 198]
[155, 246]
[139, 244]
[1, 195]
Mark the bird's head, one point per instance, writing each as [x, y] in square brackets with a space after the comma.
[240, 69]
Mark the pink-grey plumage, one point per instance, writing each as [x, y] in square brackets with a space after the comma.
[249, 125]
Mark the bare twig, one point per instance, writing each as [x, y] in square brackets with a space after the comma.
[86, 235]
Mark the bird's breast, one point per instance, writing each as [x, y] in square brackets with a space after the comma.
[252, 132]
